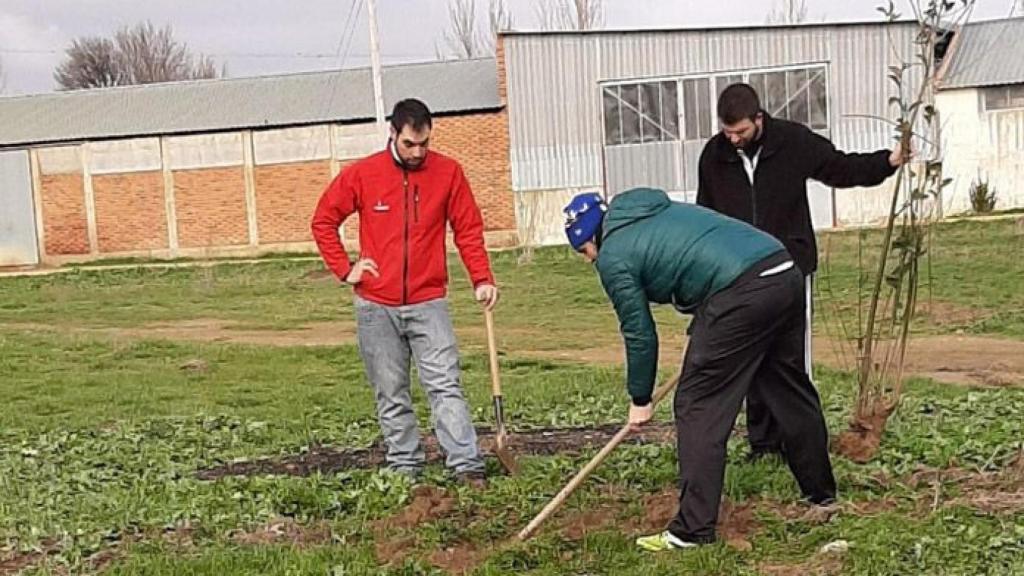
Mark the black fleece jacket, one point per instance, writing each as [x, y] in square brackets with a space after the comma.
[777, 201]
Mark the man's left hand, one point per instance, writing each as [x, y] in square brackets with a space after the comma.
[898, 156]
[487, 294]
[639, 415]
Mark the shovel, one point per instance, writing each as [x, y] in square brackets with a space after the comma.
[501, 436]
[596, 461]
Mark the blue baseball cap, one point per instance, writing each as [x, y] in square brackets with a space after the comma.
[583, 218]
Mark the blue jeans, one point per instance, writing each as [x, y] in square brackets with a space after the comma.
[388, 337]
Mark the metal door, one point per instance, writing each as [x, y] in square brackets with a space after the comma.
[18, 242]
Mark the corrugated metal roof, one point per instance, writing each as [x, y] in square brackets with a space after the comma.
[987, 54]
[239, 103]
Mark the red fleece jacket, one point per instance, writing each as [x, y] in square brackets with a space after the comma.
[402, 223]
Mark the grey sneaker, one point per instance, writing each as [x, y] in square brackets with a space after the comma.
[414, 475]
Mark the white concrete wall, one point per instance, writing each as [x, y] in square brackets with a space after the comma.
[989, 145]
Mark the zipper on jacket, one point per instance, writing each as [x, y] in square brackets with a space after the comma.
[753, 205]
[405, 241]
[416, 204]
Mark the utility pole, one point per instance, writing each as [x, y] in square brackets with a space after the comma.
[378, 90]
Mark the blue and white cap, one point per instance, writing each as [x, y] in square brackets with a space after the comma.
[583, 218]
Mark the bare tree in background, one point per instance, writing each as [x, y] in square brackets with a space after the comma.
[140, 54]
[3, 78]
[89, 63]
[500, 19]
[570, 14]
[462, 38]
[790, 12]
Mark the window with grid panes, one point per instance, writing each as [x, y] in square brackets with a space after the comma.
[640, 113]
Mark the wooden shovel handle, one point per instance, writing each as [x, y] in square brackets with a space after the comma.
[596, 461]
[492, 349]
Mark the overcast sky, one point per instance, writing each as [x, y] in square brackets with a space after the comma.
[256, 37]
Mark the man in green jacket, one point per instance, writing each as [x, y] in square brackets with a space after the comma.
[747, 300]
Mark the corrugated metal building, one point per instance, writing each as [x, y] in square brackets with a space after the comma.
[609, 110]
[981, 102]
[229, 166]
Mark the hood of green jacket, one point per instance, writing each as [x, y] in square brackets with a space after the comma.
[638, 204]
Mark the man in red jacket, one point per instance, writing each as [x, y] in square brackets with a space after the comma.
[405, 197]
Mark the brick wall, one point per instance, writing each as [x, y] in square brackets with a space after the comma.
[210, 203]
[286, 195]
[64, 221]
[480, 143]
[130, 211]
[210, 207]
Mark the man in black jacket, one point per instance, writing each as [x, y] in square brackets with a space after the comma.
[756, 170]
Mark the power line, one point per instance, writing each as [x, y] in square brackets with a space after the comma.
[341, 37]
[351, 34]
[347, 30]
[310, 55]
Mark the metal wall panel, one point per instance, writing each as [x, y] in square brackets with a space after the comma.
[17, 213]
[554, 99]
[643, 165]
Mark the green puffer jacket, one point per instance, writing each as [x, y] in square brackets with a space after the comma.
[656, 250]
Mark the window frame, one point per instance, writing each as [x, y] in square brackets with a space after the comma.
[637, 83]
[1007, 93]
[712, 82]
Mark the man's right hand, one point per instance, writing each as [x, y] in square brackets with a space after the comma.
[363, 265]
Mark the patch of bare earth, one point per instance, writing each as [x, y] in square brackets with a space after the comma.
[533, 442]
[821, 564]
[736, 522]
[283, 530]
[14, 562]
[953, 359]
[215, 330]
[990, 492]
[948, 315]
[394, 539]
[462, 558]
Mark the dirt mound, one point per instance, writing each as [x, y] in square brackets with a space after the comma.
[860, 442]
[428, 503]
[392, 541]
[659, 510]
[736, 525]
[736, 522]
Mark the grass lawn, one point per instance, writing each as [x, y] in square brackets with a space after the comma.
[101, 437]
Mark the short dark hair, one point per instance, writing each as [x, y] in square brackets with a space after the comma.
[410, 112]
[738, 101]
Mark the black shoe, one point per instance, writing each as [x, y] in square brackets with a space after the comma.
[473, 480]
